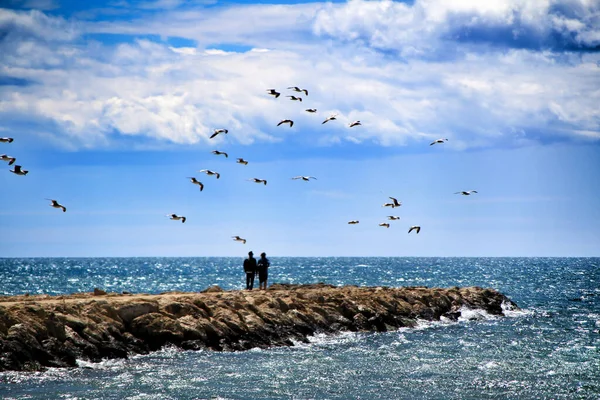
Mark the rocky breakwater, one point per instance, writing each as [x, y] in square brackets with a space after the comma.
[42, 331]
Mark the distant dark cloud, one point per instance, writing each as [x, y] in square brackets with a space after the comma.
[433, 28]
[560, 29]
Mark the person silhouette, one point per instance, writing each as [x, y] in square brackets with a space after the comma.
[250, 270]
[263, 270]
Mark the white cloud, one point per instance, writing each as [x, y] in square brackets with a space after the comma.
[34, 24]
[91, 93]
[254, 25]
[184, 50]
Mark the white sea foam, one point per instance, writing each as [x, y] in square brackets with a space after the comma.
[474, 314]
[104, 364]
[324, 340]
[511, 311]
[422, 324]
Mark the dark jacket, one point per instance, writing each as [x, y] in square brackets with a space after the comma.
[263, 265]
[250, 265]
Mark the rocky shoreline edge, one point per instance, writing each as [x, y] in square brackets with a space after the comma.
[37, 332]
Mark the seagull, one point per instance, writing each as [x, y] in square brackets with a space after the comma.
[11, 160]
[196, 182]
[17, 170]
[414, 227]
[438, 141]
[217, 131]
[209, 172]
[286, 121]
[311, 110]
[217, 152]
[295, 98]
[256, 180]
[297, 89]
[467, 192]
[176, 217]
[304, 178]
[355, 123]
[330, 118]
[395, 202]
[273, 92]
[6, 139]
[353, 222]
[56, 205]
[393, 218]
[242, 161]
[239, 239]
[385, 224]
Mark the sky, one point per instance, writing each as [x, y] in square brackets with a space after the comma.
[111, 105]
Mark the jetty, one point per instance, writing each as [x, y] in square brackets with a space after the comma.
[41, 331]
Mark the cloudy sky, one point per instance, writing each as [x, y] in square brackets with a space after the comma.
[112, 103]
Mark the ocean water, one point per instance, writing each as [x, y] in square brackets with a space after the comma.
[548, 350]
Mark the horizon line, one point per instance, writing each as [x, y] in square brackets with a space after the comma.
[280, 256]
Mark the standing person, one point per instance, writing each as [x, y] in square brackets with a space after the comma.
[250, 270]
[263, 270]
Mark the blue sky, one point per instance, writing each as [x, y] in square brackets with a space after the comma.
[111, 105]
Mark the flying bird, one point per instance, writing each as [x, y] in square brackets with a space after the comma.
[218, 153]
[353, 222]
[286, 121]
[304, 178]
[393, 217]
[17, 170]
[239, 239]
[209, 172]
[395, 202]
[355, 123]
[297, 89]
[256, 180]
[415, 228]
[311, 110]
[438, 141]
[295, 98]
[6, 139]
[466, 192]
[217, 131]
[176, 217]
[273, 92]
[330, 118]
[384, 224]
[56, 205]
[11, 160]
[196, 182]
[242, 161]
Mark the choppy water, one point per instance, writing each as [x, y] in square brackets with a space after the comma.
[550, 350]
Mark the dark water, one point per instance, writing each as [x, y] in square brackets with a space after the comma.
[549, 350]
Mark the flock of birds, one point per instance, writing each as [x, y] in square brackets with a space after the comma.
[18, 169]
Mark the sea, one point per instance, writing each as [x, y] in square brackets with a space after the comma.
[549, 349]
